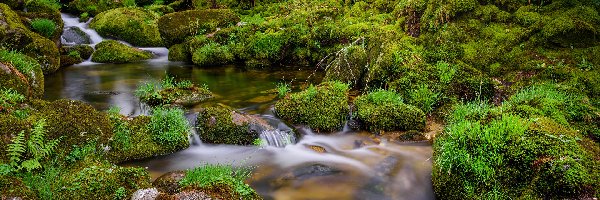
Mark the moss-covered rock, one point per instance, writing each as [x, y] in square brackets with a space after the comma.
[169, 92]
[111, 51]
[212, 54]
[133, 140]
[223, 125]
[92, 7]
[75, 122]
[15, 35]
[75, 54]
[12, 187]
[175, 27]
[384, 111]
[323, 108]
[133, 25]
[179, 52]
[21, 73]
[10, 126]
[99, 180]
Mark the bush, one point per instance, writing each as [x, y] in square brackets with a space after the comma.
[44, 27]
[169, 128]
[220, 181]
[384, 110]
[323, 108]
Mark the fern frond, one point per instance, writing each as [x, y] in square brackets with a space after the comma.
[16, 148]
[31, 164]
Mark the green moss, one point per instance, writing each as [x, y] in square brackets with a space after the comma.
[169, 128]
[383, 110]
[102, 181]
[111, 51]
[93, 7]
[220, 181]
[21, 73]
[133, 25]
[323, 108]
[175, 27]
[11, 186]
[179, 52]
[212, 54]
[223, 125]
[169, 92]
[9, 127]
[78, 123]
[44, 27]
[18, 36]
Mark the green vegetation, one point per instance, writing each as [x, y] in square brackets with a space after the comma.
[223, 125]
[323, 108]
[44, 27]
[21, 73]
[133, 25]
[111, 51]
[10, 97]
[169, 128]
[175, 27]
[28, 154]
[525, 148]
[383, 110]
[282, 89]
[168, 91]
[220, 181]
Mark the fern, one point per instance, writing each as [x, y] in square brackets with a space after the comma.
[32, 151]
[16, 148]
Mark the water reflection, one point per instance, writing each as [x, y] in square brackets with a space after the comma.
[105, 85]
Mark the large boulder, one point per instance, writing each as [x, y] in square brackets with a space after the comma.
[21, 73]
[384, 111]
[92, 7]
[133, 25]
[323, 107]
[15, 35]
[73, 35]
[111, 51]
[223, 125]
[175, 27]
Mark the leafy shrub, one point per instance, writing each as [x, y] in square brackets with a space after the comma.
[229, 183]
[44, 27]
[169, 127]
[384, 110]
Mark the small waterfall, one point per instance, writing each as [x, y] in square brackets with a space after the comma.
[72, 21]
[194, 137]
[277, 138]
[161, 53]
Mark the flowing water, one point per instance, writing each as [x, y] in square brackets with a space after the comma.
[344, 165]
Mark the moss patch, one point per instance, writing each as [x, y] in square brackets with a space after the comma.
[175, 27]
[323, 108]
[111, 51]
[384, 111]
[133, 25]
[222, 125]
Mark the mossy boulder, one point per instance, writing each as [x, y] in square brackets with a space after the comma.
[12, 187]
[71, 55]
[384, 111]
[101, 180]
[223, 125]
[132, 140]
[175, 27]
[179, 52]
[212, 54]
[111, 51]
[75, 122]
[15, 35]
[173, 94]
[92, 7]
[133, 25]
[323, 107]
[21, 73]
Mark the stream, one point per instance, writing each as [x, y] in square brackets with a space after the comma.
[342, 165]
